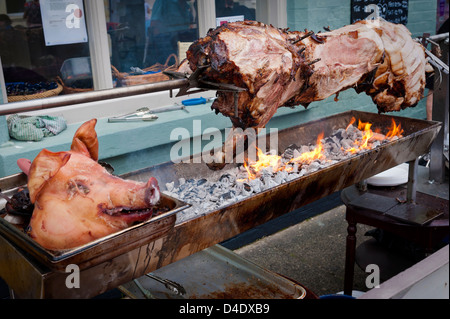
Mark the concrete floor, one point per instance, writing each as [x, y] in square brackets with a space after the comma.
[311, 253]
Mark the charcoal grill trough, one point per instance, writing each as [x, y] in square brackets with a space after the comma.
[212, 227]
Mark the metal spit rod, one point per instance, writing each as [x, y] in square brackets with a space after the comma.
[92, 96]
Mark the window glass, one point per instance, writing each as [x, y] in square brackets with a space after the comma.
[146, 35]
[13, 6]
[33, 69]
[229, 10]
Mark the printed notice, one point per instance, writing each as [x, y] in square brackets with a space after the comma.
[63, 22]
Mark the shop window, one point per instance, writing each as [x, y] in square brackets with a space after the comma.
[145, 37]
[32, 67]
[14, 6]
[229, 10]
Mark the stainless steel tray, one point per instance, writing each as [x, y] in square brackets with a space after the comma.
[98, 250]
[216, 273]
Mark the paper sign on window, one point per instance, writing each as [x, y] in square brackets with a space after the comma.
[63, 22]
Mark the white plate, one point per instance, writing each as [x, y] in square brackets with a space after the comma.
[395, 176]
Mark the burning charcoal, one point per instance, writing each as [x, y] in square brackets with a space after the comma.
[302, 171]
[339, 134]
[201, 193]
[267, 171]
[281, 177]
[351, 129]
[304, 149]
[226, 179]
[336, 140]
[314, 166]
[228, 195]
[292, 176]
[269, 182]
[347, 143]
[247, 188]
[328, 140]
[182, 188]
[212, 188]
[170, 186]
[353, 133]
[289, 152]
[256, 185]
[331, 162]
[344, 134]
[335, 148]
[297, 153]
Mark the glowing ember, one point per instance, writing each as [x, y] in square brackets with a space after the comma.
[361, 144]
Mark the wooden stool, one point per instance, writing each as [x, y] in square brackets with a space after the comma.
[424, 221]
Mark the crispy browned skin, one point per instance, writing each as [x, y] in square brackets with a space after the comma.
[256, 57]
[77, 201]
[282, 68]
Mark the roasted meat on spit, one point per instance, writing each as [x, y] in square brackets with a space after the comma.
[279, 68]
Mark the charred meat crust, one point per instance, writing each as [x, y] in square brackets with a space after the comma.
[384, 48]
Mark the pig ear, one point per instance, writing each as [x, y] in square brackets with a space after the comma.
[85, 140]
[24, 164]
[43, 168]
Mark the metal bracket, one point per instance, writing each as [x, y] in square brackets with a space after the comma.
[412, 181]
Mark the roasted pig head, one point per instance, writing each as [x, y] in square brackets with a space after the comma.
[77, 201]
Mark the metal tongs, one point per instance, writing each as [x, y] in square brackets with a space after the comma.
[146, 114]
[141, 114]
[174, 287]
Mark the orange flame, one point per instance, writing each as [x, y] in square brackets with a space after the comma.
[316, 153]
[365, 142]
[264, 160]
[353, 120]
[395, 130]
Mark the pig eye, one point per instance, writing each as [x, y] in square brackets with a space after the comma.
[76, 186]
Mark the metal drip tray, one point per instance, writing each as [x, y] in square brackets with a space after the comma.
[103, 248]
[216, 273]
